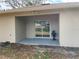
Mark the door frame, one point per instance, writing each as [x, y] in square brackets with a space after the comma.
[49, 28]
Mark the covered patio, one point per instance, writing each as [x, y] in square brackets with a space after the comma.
[37, 29]
[40, 41]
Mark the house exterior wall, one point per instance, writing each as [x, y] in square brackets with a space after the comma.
[7, 28]
[20, 28]
[53, 19]
[69, 27]
[8, 22]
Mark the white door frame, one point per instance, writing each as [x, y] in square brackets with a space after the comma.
[49, 28]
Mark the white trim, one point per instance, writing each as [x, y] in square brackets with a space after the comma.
[50, 29]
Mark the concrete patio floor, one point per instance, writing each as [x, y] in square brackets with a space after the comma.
[40, 41]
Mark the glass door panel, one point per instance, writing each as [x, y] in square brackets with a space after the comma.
[42, 28]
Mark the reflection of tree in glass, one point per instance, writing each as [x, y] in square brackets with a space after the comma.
[46, 29]
[42, 28]
[38, 30]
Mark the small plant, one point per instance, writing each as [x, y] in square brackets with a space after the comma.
[37, 55]
[5, 44]
[46, 55]
[42, 55]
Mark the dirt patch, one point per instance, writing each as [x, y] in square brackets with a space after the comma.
[19, 51]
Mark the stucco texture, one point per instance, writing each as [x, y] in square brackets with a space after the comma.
[69, 27]
[7, 28]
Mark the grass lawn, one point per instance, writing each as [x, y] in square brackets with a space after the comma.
[19, 51]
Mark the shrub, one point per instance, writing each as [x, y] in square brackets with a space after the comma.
[5, 44]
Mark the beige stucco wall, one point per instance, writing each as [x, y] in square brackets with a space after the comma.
[13, 28]
[53, 19]
[7, 28]
[69, 27]
[20, 26]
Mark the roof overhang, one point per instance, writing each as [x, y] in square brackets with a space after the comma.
[43, 7]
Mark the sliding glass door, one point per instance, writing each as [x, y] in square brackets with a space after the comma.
[42, 28]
